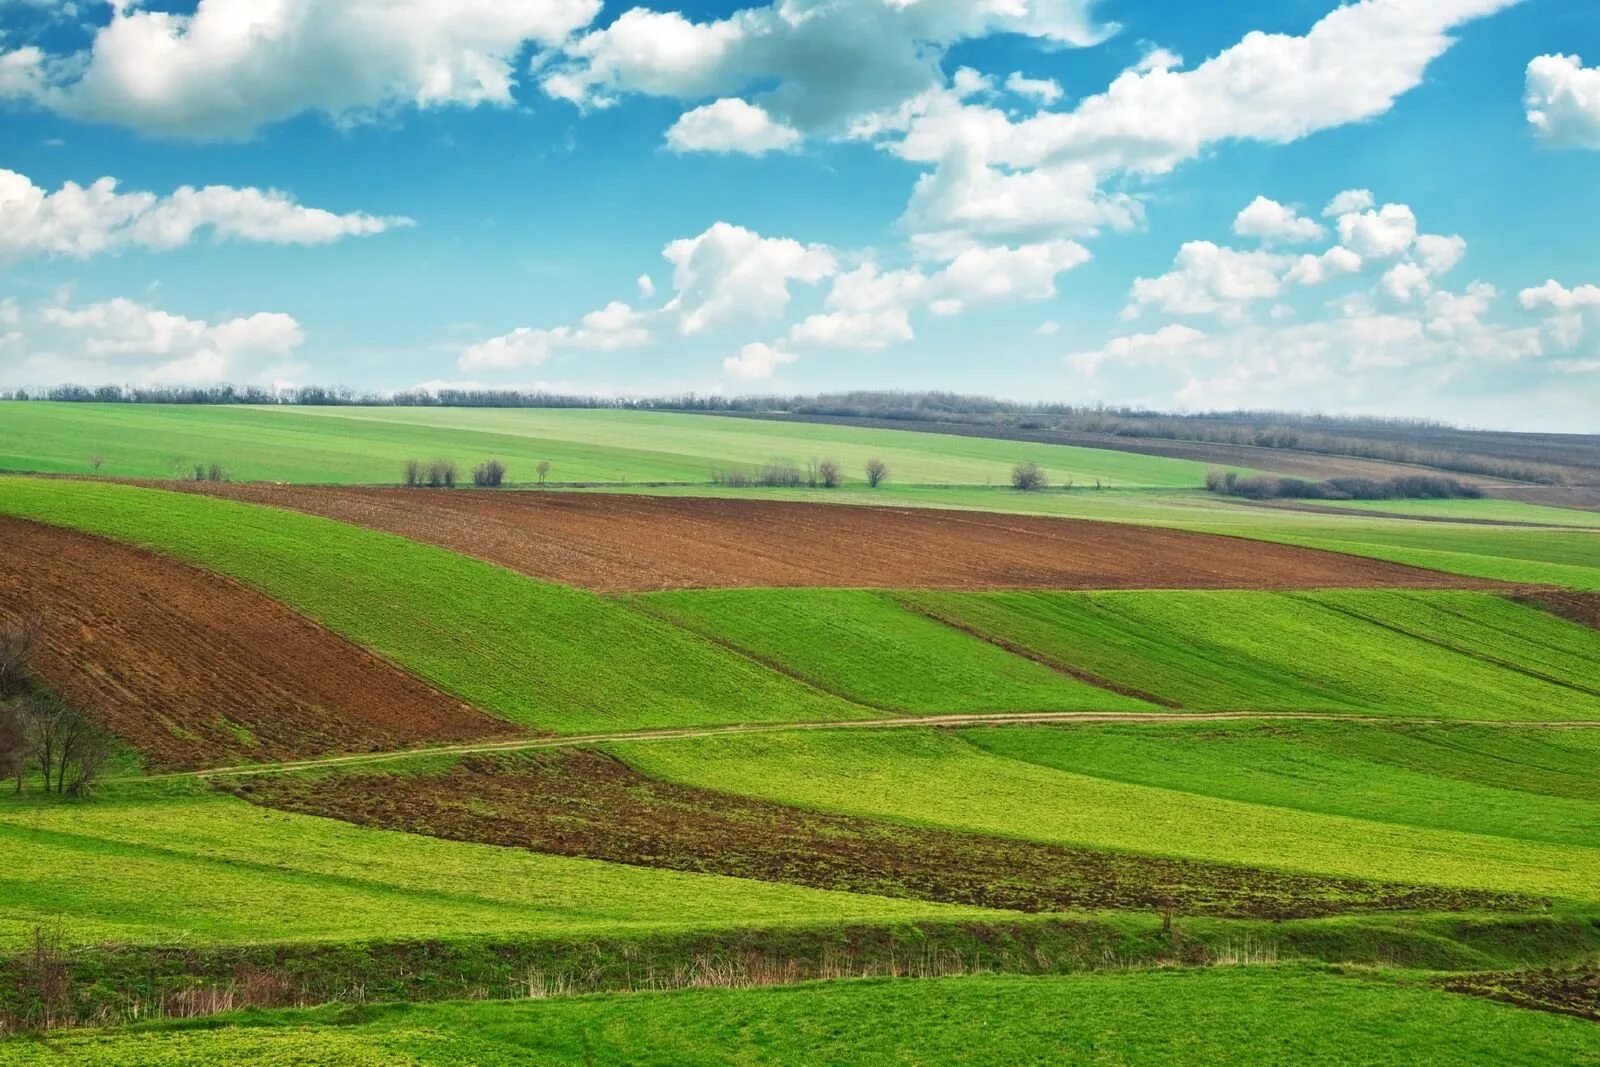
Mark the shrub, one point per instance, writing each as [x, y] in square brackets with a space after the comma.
[544, 470]
[441, 474]
[1405, 487]
[18, 638]
[208, 472]
[877, 472]
[780, 472]
[830, 474]
[413, 473]
[1028, 477]
[489, 473]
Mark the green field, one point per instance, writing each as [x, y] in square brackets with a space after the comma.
[369, 445]
[177, 863]
[1462, 655]
[547, 656]
[1483, 509]
[952, 781]
[1223, 1016]
[865, 646]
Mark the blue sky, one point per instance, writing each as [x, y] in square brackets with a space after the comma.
[1038, 199]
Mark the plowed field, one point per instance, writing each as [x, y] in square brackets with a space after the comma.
[617, 543]
[193, 669]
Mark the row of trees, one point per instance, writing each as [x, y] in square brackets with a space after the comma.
[38, 729]
[1404, 487]
[441, 473]
[816, 474]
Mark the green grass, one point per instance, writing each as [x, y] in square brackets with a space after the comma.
[867, 647]
[1527, 785]
[543, 655]
[1480, 510]
[932, 778]
[1415, 653]
[1222, 1016]
[346, 444]
[175, 864]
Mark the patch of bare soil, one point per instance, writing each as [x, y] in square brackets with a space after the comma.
[1583, 608]
[579, 802]
[193, 669]
[615, 543]
[1566, 991]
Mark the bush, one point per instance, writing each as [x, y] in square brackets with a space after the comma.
[544, 470]
[489, 473]
[1028, 477]
[877, 472]
[441, 474]
[18, 638]
[830, 474]
[780, 472]
[413, 473]
[208, 472]
[1405, 487]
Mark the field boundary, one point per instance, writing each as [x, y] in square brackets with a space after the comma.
[1065, 718]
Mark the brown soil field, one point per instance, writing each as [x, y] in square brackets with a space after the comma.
[1570, 604]
[193, 669]
[580, 802]
[617, 543]
[1569, 991]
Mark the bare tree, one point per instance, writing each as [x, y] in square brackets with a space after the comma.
[95, 463]
[70, 747]
[442, 474]
[544, 470]
[18, 637]
[13, 746]
[830, 474]
[413, 473]
[1028, 477]
[877, 472]
[489, 473]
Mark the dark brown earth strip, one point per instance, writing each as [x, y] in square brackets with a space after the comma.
[194, 669]
[617, 543]
[1567, 991]
[1582, 608]
[580, 802]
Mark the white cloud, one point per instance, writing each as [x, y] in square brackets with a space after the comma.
[819, 62]
[1403, 281]
[1207, 279]
[1380, 234]
[83, 221]
[756, 362]
[1314, 270]
[1158, 59]
[1439, 255]
[1274, 223]
[1044, 90]
[615, 326]
[1553, 296]
[1562, 98]
[1349, 202]
[730, 125]
[1163, 344]
[647, 286]
[236, 65]
[854, 329]
[729, 273]
[121, 340]
[1047, 328]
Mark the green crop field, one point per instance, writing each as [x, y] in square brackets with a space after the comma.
[870, 649]
[951, 781]
[1461, 655]
[369, 445]
[171, 864]
[543, 655]
[1484, 509]
[1221, 1016]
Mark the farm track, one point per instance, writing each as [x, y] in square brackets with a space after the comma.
[531, 744]
[191, 667]
[619, 543]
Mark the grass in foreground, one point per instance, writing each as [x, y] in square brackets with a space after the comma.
[1413, 653]
[946, 780]
[369, 445]
[176, 864]
[1222, 1015]
[865, 646]
[541, 655]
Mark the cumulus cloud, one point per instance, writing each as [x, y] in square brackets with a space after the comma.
[1314, 270]
[730, 125]
[1553, 296]
[615, 326]
[123, 340]
[818, 63]
[1348, 202]
[1138, 348]
[1562, 98]
[729, 273]
[1044, 90]
[756, 362]
[1273, 223]
[1380, 234]
[1207, 278]
[83, 221]
[233, 66]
